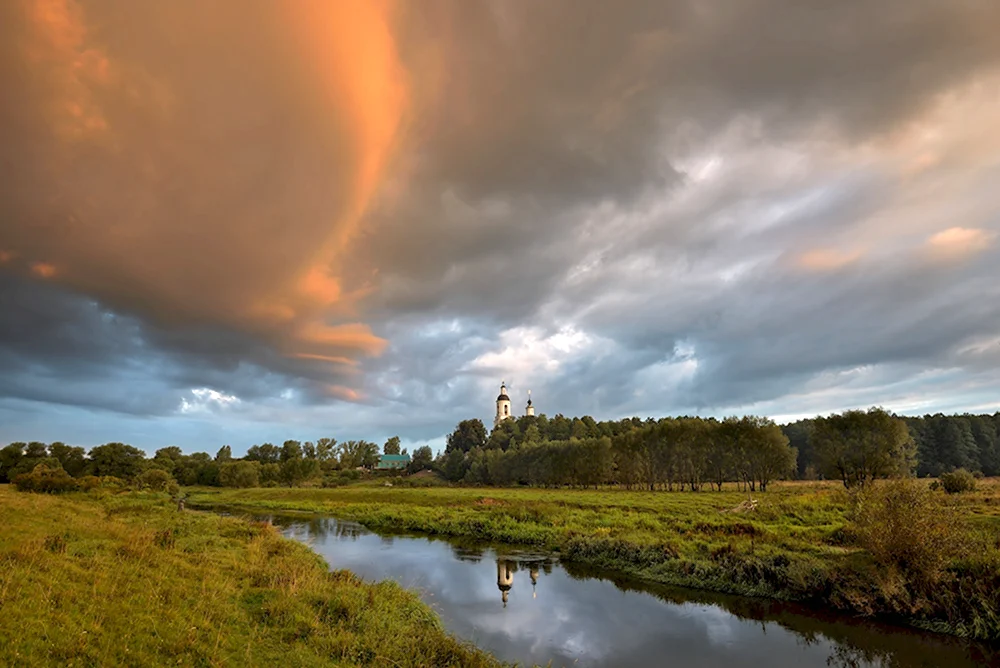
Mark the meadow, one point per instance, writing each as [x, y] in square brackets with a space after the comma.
[126, 580]
[800, 541]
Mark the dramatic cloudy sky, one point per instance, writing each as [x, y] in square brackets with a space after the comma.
[244, 220]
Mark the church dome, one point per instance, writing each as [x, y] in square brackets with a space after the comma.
[503, 397]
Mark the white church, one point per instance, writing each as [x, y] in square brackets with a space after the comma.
[503, 406]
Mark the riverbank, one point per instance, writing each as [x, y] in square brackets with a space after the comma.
[796, 545]
[127, 580]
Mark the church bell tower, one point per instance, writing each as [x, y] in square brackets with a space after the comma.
[503, 406]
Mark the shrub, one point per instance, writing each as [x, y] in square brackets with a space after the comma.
[905, 525]
[87, 483]
[958, 481]
[156, 480]
[45, 479]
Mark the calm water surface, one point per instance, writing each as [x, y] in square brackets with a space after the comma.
[529, 608]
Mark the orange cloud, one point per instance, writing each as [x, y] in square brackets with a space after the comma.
[76, 69]
[959, 242]
[353, 336]
[352, 41]
[826, 259]
[330, 359]
[205, 164]
[43, 269]
[343, 393]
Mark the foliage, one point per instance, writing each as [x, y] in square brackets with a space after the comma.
[240, 474]
[858, 447]
[468, 434]
[115, 459]
[670, 453]
[391, 446]
[904, 525]
[71, 459]
[943, 443]
[958, 481]
[44, 478]
[674, 453]
[266, 453]
[422, 459]
[155, 480]
[129, 581]
[354, 454]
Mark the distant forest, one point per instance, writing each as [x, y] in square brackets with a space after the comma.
[671, 453]
[944, 443]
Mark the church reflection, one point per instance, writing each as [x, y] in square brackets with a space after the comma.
[508, 566]
[505, 578]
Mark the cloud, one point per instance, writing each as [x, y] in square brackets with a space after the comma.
[645, 208]
[201, 167]
[959, 242]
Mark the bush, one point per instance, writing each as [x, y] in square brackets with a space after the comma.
[45, 479]
[156, 480]
[958, 481]
[905, 525]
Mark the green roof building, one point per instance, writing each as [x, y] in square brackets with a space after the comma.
[392, 462]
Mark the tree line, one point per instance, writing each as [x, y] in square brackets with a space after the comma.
[943, 443]
[691, 453]
[291, 463]
[672, 453]
[685, 453]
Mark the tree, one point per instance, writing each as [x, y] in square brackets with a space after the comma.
[116, 459]
[291, 450]
[798, 437]
[270, 474]
[858, 447]
[265, 453]
[354, 454]
[773, 457]
[503, 435]
[72, 459]
[454, 465]
[326, 449]
[531, 434]
[10, 456]
[239, 474]
[422, 458]
[468, 434]
[225, 454]
[391, 446]
[36, 450]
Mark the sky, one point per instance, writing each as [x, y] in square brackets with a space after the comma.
[246, 221]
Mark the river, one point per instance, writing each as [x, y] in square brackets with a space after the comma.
[529, 608]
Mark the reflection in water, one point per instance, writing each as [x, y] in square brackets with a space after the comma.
[505, 578]
[581, 617]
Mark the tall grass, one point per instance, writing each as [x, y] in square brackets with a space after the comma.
[126, 580]
[802, 541]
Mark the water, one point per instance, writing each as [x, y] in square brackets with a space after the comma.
[528, 608]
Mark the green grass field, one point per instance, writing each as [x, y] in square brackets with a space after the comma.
[796, 545]
[126, 580]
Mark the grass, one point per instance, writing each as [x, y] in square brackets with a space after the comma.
[127, 580]
[797, 544]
